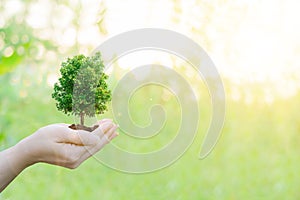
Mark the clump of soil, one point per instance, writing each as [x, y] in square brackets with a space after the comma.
[81, 127]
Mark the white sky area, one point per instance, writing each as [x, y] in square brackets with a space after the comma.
[252, 41]
[265, 40]
[257, 44]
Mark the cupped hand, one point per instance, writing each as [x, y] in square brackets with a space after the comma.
[59, 145]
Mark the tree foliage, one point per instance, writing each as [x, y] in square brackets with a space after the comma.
[82, 89]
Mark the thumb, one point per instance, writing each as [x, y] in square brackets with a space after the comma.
[78, 137]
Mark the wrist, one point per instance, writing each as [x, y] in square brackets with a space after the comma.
[22, 152]
[14, 159]
[12, 162]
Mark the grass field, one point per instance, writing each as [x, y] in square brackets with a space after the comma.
[257, 156]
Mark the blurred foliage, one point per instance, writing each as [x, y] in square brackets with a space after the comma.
[15, 47]
[18, 42]
[24, 38]
[208, 21]
[36, 49]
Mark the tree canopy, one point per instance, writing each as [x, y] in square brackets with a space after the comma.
[82, 89]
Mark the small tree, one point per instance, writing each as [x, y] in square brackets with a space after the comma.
[82, 89]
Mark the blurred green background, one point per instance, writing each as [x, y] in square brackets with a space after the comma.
[255, 46]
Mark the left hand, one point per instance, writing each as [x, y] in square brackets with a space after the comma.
[59, 145]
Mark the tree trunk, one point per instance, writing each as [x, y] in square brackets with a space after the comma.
[82, 118]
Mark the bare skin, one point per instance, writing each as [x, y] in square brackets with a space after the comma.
[55, 144]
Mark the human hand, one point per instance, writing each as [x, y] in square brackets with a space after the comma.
[59, 145]
[54, 144]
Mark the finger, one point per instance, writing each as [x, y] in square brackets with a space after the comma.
[93, 150]
[78, 137]
[88, 152]
[103, 128]
[110, 133]
[71, 137]
[105, 139]
[102, 121]
[84, 138]
[115, 134]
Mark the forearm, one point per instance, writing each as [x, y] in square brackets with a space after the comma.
[12, 163]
